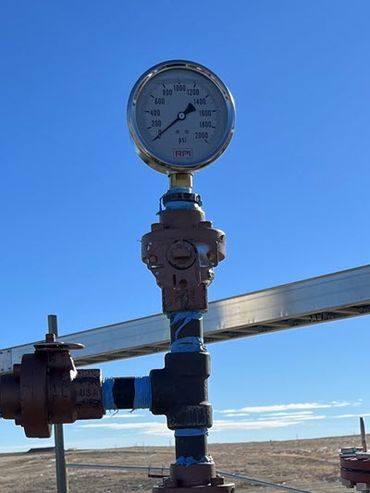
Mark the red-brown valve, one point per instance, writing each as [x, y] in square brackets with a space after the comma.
[181, 251]
[46, 388]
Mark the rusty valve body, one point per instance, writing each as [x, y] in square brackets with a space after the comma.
[181, 251]
[46, 388]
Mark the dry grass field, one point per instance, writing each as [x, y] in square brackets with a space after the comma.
[307, 464]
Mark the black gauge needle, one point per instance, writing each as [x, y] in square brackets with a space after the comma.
[180, 116]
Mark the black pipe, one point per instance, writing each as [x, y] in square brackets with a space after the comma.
[190, 446]
[124, 392]
[179, 329]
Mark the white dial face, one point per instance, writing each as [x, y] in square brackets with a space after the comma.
[182, 118]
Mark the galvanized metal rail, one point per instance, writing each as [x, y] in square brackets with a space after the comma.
[320, 299]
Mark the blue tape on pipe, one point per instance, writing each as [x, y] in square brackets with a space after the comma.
[191, 432]
[186, 461]
[143, 393]
[107, 395]
[183, 318]
[189, 344]
[180, 190]
[181, 204]
[189, 461]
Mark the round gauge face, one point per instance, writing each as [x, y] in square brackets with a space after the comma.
[181, 116]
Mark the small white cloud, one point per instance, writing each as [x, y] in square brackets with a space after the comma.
[360, 415]
[359, 402]
[223, 411]
[146, 428]
[299, 406]
[260, 424]
[236, 415]
[290, 414]
[294, 406]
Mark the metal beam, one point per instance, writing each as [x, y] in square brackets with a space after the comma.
[320, 299]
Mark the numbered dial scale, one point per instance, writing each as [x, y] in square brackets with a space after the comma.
[181, 116]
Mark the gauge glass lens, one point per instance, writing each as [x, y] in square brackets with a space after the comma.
[181, 117]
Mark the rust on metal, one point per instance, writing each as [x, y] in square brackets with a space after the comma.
[355, 464]
[181, 251]
[201, 477]
[47, 389]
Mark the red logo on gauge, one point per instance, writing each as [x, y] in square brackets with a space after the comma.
[182, 153]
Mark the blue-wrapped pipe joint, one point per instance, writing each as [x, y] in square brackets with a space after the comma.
[127, 393]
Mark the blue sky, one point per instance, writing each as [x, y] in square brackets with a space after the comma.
[291, 192]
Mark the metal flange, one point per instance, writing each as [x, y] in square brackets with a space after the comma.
[194, 478]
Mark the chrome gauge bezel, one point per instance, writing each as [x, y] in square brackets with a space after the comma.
[145, 153]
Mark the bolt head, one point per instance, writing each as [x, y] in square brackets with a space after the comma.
[153, 259]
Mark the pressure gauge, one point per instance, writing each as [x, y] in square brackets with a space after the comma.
[181, 116]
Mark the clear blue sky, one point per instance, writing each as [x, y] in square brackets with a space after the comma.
[291, 192]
